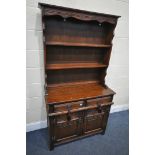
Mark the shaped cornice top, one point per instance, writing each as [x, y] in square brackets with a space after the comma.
[52, 10]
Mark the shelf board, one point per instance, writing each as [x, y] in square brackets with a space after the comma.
[76, 44]
[76, 92]
[74, 65]
[72, 83]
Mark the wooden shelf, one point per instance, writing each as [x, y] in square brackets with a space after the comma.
[74, 65]
[76, 92]
[72, 83]
[77, 44]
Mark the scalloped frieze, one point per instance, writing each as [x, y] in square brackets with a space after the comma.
[79, 15]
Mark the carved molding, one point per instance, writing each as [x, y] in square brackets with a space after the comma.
[79, 15]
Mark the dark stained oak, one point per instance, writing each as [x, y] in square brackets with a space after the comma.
[77, 48]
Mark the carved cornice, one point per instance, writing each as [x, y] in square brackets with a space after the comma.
[78, 14]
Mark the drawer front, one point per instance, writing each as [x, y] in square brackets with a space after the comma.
[76, 105]
[71, 105]
[102, 100]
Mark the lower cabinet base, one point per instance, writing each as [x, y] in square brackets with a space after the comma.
[71, 125]
[77, 138]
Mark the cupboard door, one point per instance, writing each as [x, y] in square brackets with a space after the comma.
[93, 122]
[96, 120]
[67, 128]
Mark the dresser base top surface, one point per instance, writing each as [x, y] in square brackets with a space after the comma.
[76, 92]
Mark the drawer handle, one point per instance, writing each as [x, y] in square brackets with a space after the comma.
[81, 104]
[69, 113]
[99, 108]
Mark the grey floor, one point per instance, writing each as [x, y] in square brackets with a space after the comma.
[114, 142]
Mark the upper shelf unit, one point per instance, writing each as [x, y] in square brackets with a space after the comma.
[65, 27]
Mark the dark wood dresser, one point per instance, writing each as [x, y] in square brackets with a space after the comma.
[77, 48]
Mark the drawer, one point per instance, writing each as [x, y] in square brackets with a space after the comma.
[102, 100]
[71, 106]
[76, 105]
[98, 110]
